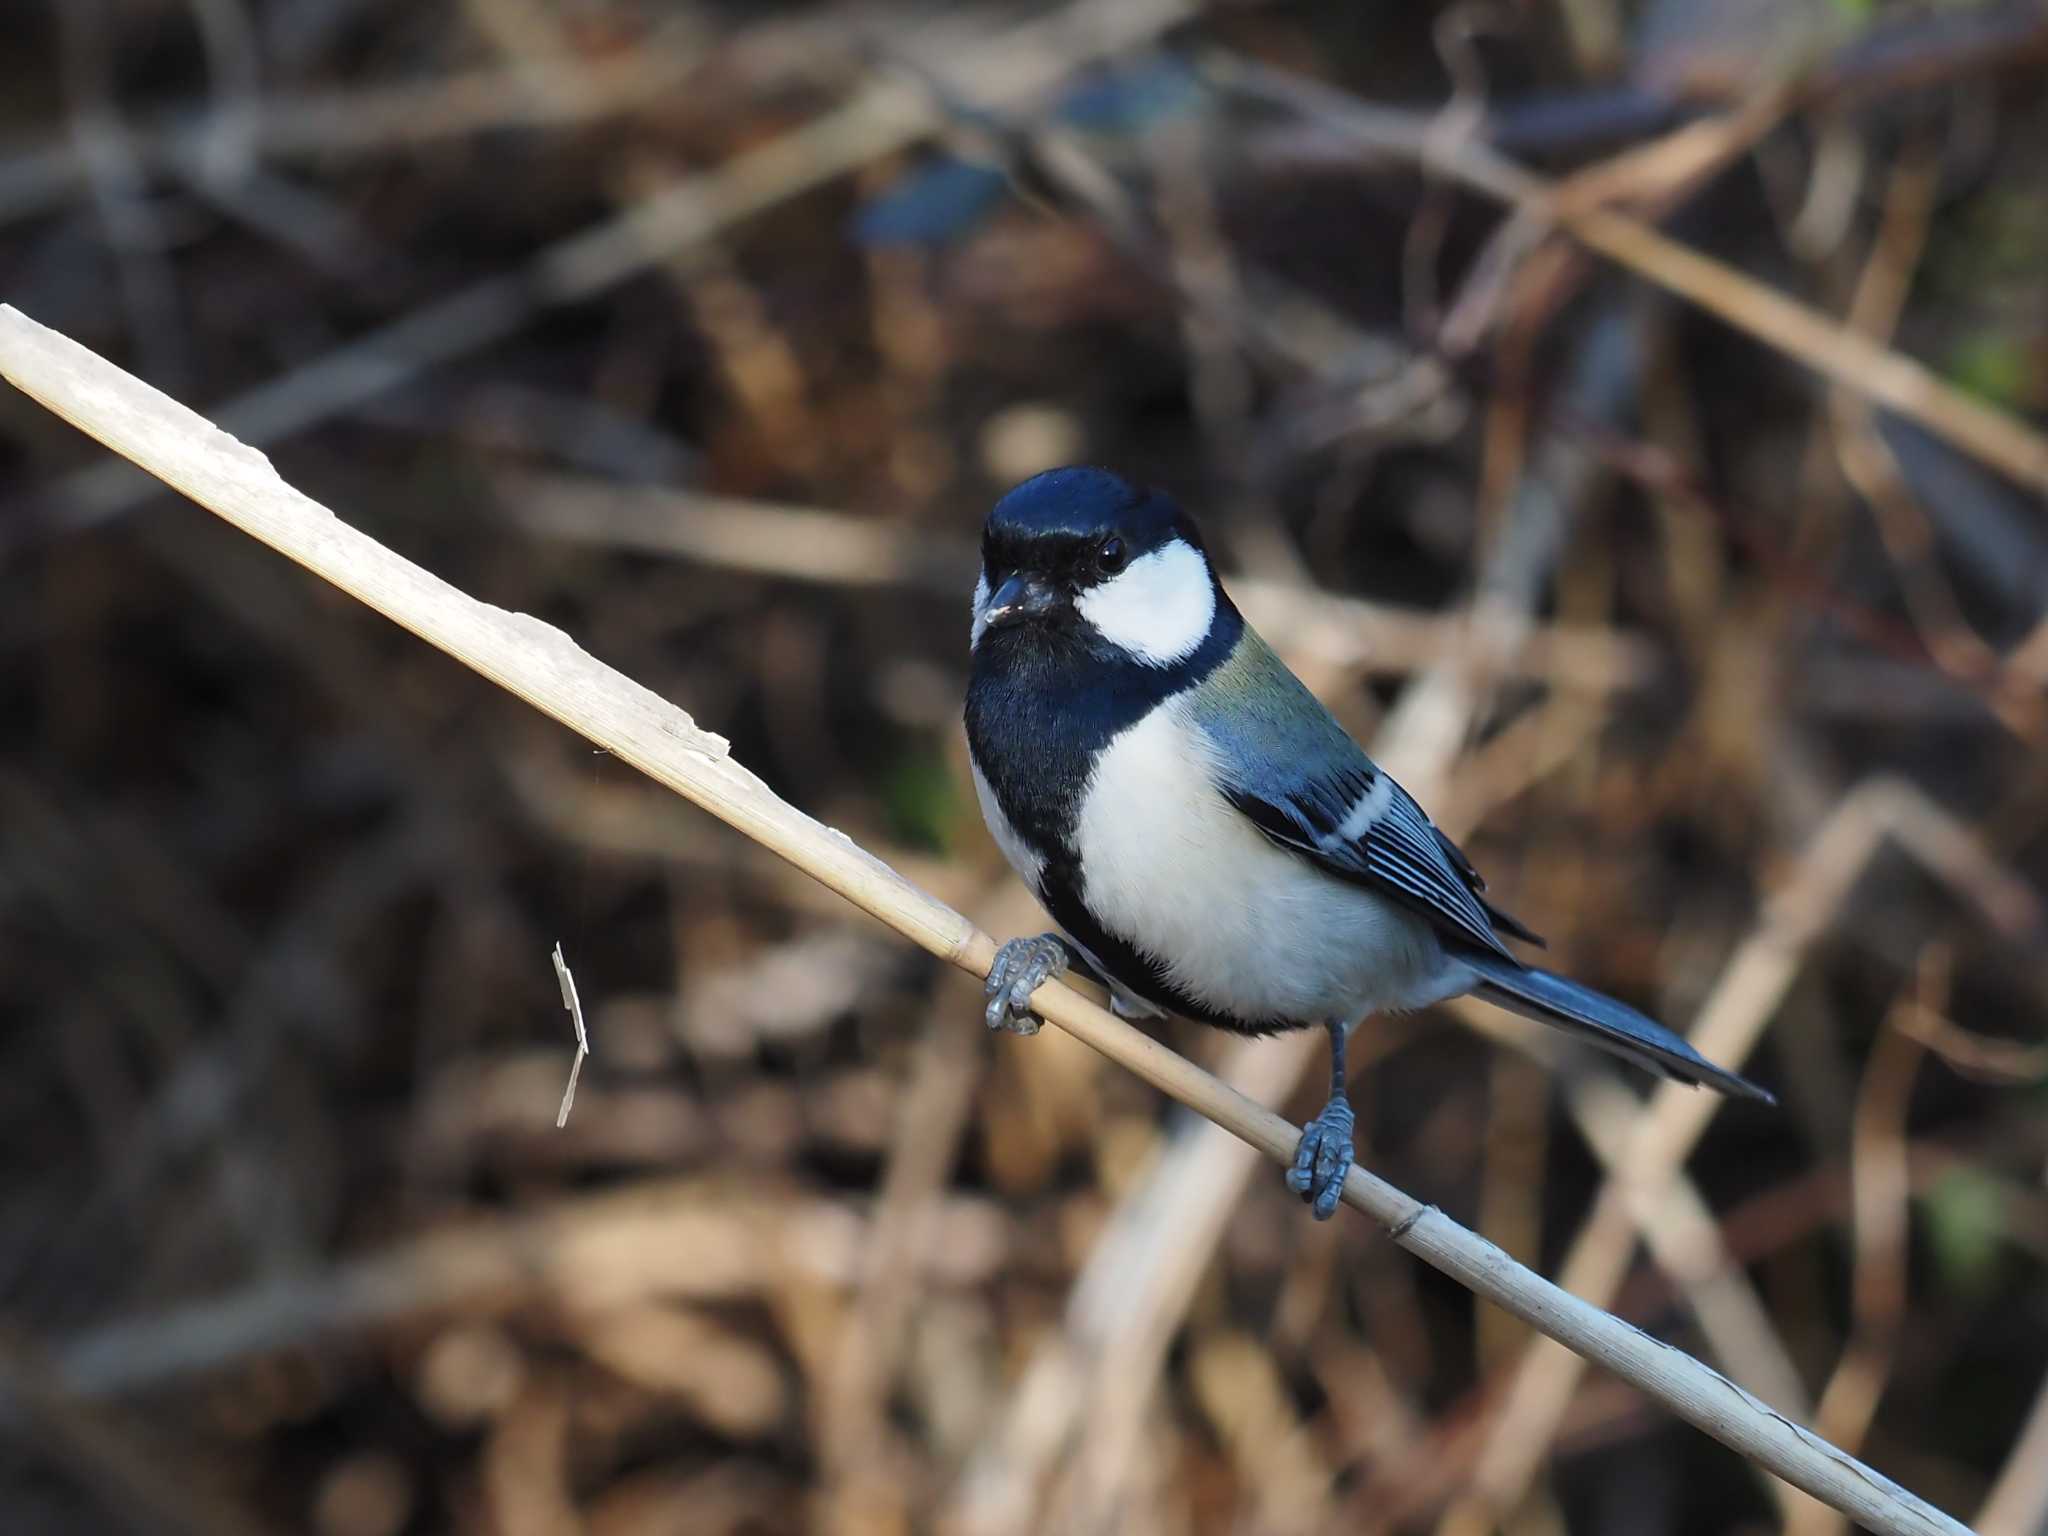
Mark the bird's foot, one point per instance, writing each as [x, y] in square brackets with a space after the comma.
[1323, 1157]
[1022, 967]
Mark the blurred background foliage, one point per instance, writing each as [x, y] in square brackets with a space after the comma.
[707, 331]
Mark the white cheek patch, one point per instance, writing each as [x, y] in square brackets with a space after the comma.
[1158, 608]
[981, 596]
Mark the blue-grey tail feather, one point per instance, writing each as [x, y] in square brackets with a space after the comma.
[1614, 1026]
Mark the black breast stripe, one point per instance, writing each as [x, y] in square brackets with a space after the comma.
[1040, 713]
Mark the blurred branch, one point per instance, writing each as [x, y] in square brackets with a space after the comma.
[1894, 52]
[1657, 471]
[541, 665]
[318, 124]
[1869, 465]
[2018, 1502]
[664, 1239]
[1226, 305]
[1881, 1206]
[937, 1106]
[140, 1486]
[1681, 1232]
[843, 549]
[1969, 1054]
[1010, 66]
[1521, 270]
[1834, 351]
[113, 173]
[1752, 984]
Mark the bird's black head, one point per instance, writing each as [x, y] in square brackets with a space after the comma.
[1081, 559]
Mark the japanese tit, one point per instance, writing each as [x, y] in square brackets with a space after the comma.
[1208, 839]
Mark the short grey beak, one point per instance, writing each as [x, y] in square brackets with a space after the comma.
[1016, 597]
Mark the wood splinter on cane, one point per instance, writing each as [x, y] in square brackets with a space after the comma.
[574, 1004]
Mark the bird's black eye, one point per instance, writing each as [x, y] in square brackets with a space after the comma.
[1112, 557]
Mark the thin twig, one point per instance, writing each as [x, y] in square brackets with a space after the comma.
[544, 667]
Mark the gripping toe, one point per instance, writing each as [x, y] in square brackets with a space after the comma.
[1021, 967]
[1323, 1158]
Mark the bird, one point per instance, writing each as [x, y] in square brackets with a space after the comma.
[1209, 840]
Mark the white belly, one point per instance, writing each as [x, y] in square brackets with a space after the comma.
[1247, 927]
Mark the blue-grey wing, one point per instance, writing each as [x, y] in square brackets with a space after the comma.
[1289, 767]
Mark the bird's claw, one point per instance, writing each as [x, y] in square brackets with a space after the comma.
[1022, 967]
[1323, 1157]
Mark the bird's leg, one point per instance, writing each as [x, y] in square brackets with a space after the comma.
[1323, 1156]
[1022, 967]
